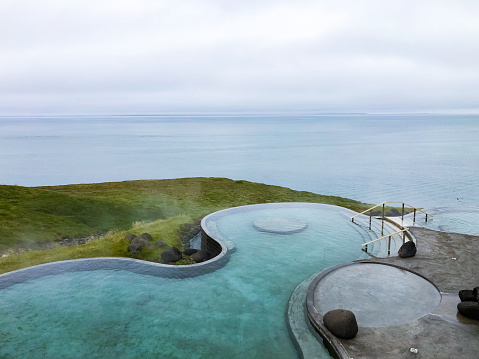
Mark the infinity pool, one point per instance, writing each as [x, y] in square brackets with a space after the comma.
[237, 311]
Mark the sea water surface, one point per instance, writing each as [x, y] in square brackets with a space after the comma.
[428, 161]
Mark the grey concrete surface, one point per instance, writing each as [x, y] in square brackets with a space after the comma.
[450, 261]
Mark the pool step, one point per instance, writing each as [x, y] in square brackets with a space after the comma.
[379, 248]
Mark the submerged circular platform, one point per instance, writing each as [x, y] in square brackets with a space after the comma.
[280, 225]
[379, 295]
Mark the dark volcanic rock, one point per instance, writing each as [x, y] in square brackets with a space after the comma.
[130, 236]
[171, 255]
[376, 213]
[467, 296]
[469, 309]
[142, 242]
[147, 236]
[135, 248]
[200, 256]
[190, 251]
[408, 249]
[160, 244]
[342, 323]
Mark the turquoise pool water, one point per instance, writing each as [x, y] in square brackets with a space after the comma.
[238, 311]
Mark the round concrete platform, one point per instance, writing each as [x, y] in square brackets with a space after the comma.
[379, 295]
[280, 225]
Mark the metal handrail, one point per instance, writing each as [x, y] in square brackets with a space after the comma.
[383, 203]
[403, 231]
[388, 235]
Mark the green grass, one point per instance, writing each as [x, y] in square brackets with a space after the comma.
[30, 216]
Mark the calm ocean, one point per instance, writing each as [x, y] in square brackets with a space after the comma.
[429, 161]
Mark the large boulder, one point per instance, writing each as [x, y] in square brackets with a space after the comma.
[408, 249]
[342, 323]
[200, 256]
[467, 296]
[469, 309]
[171, 255]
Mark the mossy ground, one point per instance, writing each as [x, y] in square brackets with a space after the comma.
[34, 216]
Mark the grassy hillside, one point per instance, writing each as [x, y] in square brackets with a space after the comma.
[33, 217]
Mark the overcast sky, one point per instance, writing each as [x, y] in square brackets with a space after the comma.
[160, 56]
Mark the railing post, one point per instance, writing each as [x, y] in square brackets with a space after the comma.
[382, 221]
[402, 218]
[426, 217]
[370, 219]
[389, 245]
[403, 237]
[366, 247]
[414, 221]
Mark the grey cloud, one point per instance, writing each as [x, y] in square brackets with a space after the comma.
[153, 56]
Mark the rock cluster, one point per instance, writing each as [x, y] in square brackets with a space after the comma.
[469, 306]
[170, 255]
[393, 212]
[137, 243]
[408, 249]
[342, 323]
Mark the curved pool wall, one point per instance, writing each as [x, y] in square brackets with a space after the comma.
[114, 264]
[233, 305]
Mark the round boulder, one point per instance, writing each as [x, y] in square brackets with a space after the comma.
[142, 242]
[342, 323]
[469, 309]
[147, 236]
[408, 249]
[200, 256]
[134, 248]
[130, 236]
[170, 255]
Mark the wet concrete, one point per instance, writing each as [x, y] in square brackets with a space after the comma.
[450, 262]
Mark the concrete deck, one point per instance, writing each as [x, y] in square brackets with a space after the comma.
[450, 262]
